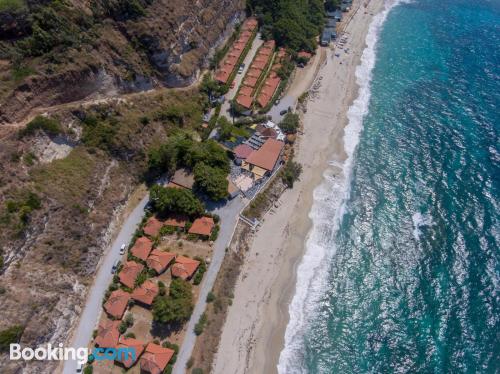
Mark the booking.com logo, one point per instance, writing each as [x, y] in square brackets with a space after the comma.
[61, 353]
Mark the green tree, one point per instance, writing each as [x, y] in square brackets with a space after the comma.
[291, 172]
[211, 181]
[225, 129]
[290, 123]
[175, 200]
[177, 306]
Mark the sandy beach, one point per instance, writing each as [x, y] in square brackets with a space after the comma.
[253, 335]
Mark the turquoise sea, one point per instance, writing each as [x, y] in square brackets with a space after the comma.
[403, 275]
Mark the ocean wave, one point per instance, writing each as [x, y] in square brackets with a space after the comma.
[328, 207]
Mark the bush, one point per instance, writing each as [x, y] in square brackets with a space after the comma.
[88, 369]
[210, 297]
[129, 319]
[198, 328]
[290, 173]
[198, 277]
[290, 123]
[122, 327]
[10, 336]
[49, 126]
[197, 371]
[215, 233]
[130, 335]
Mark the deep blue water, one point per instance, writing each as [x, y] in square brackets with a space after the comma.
[413, 285]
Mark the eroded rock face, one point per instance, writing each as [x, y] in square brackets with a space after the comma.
[166, 46]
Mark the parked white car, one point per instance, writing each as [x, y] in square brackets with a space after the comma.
[122, 249]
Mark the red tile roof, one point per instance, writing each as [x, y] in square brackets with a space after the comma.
[244, 101]
[267, 155]
[246, 91]
[146, 292]
[184, 267]
[129, 273]
[117, 303]
[242, 151]
[222, 76]
[159, 260]
[135, 344]
[269, 133]
[155, 358]
[202, 226]
[259, 65]
[255, 73]
[250, 81]
[107, 334]
[142, 247]
[153, 226]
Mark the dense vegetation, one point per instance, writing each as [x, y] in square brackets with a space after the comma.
[177, 306]
[290, 123]
[175, 200]
[292, 23]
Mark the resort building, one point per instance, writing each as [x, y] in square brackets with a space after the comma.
[142, 247]
[146, 293]
[155, 359]
[128, 359]
[230, 62]
[184, 267]
[153, 227]
[129, 273]
[160, 260]
[117, 303]
[265, 159]
[202, 226]
[107, 334]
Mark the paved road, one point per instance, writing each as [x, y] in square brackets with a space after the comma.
[92, 309]
[285, 103]
[229, 217]
[226, 106]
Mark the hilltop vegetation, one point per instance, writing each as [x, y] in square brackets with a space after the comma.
[292, 23]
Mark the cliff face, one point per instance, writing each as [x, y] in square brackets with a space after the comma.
[52, 53]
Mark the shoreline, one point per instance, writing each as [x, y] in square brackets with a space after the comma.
[254, 332]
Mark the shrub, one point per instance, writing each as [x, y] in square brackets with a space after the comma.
[290, 123]
[197, 371]
[215, 233]
[49, 126]
[210, 297]
[291, 172]
[88, 369]
[129, 319]
[122, 327]
[198, 328]
[130, 335]
[10, 336]
[190, 362]
[198, 277]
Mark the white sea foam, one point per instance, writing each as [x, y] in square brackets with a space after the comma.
[327, 210]
[420, 220]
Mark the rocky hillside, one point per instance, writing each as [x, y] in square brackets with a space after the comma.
[57, 51]
[64, 182]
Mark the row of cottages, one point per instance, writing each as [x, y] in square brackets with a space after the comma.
[256, 69]
[272, 81]
[153, 358]
[230, 61]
